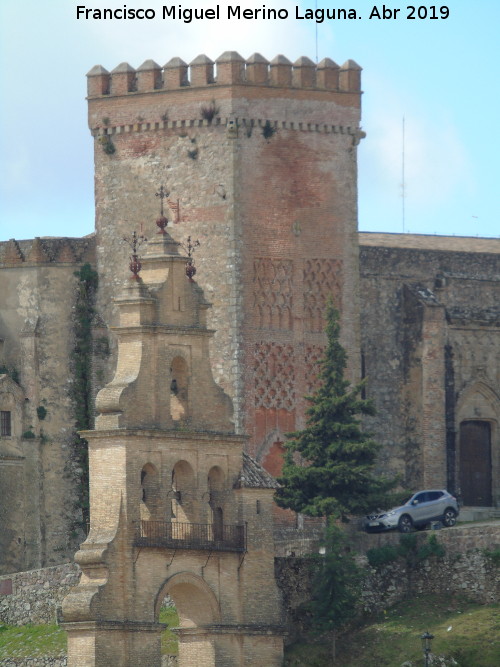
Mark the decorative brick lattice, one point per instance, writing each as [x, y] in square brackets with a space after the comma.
[274, 376]
[313, 355]
[272, 279]
[322, 278]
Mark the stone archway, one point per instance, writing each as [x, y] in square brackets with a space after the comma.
[199, 612]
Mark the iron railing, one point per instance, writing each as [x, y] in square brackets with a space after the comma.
[180, 535]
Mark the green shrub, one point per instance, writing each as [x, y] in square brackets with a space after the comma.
[41, 412]
[380, 556]
[493, 556]
[431, 548]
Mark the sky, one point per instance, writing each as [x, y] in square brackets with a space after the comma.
[437, 78]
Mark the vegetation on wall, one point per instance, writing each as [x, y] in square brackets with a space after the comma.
[107, 144]
[268, 130]
[408, 549]
[41, 412]
[81, 391]
[209, 111]
[12, 372]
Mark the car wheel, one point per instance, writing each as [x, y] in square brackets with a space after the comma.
[405, 524]
[449, 517]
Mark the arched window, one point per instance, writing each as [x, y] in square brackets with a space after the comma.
[151, 505]
[179, 389]
[216, 483]
[184, 506]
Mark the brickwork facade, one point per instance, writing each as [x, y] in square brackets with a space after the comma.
[261, 159]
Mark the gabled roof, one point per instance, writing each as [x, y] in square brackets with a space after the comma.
[253, 476]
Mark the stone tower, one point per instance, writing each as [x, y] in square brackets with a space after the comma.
[176, 507]
[259, 159]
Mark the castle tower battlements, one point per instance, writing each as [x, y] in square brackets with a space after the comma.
[230, 79]
[229, 69]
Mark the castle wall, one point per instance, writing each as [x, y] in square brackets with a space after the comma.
[430, 336]
[37, 477]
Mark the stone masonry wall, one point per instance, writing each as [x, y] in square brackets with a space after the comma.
[464, 570]
[430, 327]
[37, 296]
[35, 596]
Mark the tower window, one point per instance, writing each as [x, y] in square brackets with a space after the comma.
[5, 423]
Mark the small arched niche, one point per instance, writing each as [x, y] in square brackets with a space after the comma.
[179, 394]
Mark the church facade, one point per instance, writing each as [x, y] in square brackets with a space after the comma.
[256, 161]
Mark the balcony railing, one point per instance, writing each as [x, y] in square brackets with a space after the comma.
[179, 535]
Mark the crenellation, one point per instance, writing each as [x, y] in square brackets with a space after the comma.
[175, 73]
[98, 80]
[202, 71]
[257, 70]
[229, 69]
[280, 72]
[304, 73]
[12, 254]
[149, 77]
[123, 79]
[350, 76]
[327, 74]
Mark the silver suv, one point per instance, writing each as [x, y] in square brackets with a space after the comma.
[417, 512]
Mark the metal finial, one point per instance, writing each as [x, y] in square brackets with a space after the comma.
[162, 221]
[190, 247]
[135, 243]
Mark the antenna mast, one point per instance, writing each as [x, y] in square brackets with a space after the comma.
[403, 183]
[316, 33]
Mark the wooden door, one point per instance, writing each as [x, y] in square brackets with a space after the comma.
[475, 463]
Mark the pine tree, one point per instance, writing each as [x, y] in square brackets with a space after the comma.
[334, 476]
[336, 586]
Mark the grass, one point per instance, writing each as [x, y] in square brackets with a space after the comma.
[169, 645]
[466, 631]
[32, 641]
[50, 640]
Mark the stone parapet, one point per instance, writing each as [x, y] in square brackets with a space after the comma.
[47, 251]
[229, 69]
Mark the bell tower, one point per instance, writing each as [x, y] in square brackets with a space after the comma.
[176, 507]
